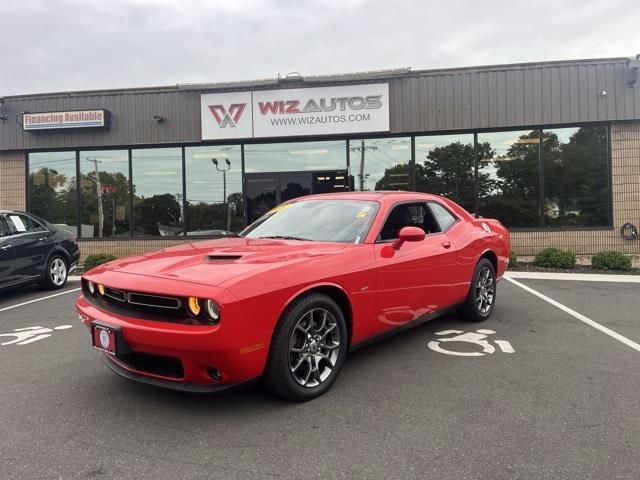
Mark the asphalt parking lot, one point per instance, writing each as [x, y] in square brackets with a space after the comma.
[547, 396]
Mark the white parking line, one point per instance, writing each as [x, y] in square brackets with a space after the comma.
[579, 316]
[39, 299]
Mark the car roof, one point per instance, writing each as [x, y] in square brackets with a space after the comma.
[378, 195]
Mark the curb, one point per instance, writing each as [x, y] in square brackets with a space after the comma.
[579, 277]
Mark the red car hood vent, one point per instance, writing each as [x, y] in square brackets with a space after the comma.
[223, 258]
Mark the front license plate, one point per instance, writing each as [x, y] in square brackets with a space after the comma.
[104, 338]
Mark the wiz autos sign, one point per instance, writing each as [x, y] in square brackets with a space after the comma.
[61, 120]
[295, 112]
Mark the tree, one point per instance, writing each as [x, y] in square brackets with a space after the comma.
[153, 212]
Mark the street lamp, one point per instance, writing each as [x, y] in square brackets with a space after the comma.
[224, 171]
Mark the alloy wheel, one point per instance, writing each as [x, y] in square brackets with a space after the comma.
[314, 347]
[485, 290]
[58, 272]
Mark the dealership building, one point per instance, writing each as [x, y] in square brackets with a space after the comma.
[551, 149]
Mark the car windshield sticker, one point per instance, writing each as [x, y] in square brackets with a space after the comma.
[24, 336]
[364, 211]
[279, 208]
[17, 221]
[476, 338]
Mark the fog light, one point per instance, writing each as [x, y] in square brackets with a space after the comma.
[193, 304]
[91, 287]
[101, 289]
[212, 310]
[214, 373]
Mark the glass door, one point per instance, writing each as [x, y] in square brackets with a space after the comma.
[266, 190]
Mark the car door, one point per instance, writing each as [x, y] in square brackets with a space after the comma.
[7, 260]
[32, 243]
[418, 278]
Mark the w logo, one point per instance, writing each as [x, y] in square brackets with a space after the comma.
[227, 118]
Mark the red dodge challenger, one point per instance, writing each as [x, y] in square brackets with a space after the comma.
[288, 297]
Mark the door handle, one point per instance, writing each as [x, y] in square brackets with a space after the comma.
[6, 247]
[43, 239]
[446, 244]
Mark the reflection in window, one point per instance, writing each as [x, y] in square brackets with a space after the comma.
[576, 181]
[157, 191]
[380, 163]
[214, 189]
[445, 166]
[295, 157]
[104, 189]
[509, 177]
[52, 188]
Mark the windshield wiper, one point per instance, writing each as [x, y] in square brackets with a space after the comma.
[287, 237]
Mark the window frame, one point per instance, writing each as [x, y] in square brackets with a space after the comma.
[345, 137]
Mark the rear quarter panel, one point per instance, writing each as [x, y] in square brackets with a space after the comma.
[475, 237]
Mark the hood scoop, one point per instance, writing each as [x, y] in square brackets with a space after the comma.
[223, 258]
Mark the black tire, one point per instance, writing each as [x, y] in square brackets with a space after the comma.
[470, 309]
[308, 309]
[53, 281]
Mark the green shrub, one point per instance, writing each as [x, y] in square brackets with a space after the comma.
[95, 260]
[513, 258]
[610, 260]
[555, 258]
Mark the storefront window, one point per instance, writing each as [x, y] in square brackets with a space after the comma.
[295, 157]
[214, 189]
[104, 188]
[576, 180]
[509, 177]
[445, 166]
[157, 192]
[381, 163]
[52, 188]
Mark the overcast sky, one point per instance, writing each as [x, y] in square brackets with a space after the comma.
[60, 45]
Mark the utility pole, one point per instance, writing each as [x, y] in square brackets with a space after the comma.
[361, 175]
[95, 162]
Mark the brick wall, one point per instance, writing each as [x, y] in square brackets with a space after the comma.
[12, 186]
[625, 178]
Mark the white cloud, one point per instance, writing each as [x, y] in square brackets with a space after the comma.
[79, 45]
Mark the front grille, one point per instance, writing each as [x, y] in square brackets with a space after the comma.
[146, 306]
[157, 364]
[117, 295]
[155, 301]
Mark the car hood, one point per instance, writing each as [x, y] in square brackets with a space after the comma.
[215, 262]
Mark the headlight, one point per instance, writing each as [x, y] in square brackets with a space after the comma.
[91, 287]
[101, 289]
[212, 310]
[193, 304]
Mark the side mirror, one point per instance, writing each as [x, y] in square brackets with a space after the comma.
[408, 234]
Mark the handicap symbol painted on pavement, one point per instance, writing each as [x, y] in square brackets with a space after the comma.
[27, 335]
[479, 337]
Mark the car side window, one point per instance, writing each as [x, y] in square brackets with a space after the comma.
[35, 225]
[444, 218]
[4, 228]
[408, 215]
[22, 224]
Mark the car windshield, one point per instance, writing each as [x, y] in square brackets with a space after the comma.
[346, 221]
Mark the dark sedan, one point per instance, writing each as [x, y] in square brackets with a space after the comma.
[34, 251]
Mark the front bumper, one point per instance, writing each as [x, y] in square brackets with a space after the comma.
[231, 348]
[116, 367]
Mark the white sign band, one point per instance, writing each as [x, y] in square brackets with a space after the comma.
[295, 112]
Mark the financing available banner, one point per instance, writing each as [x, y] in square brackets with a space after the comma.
[295, 112]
